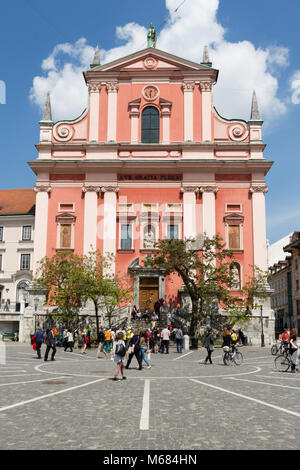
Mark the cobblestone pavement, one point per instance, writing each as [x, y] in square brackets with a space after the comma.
[178, 404]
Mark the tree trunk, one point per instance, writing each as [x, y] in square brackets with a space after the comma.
[97, 316]
[195, 321]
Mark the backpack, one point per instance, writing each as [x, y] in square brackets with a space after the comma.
[120, 349]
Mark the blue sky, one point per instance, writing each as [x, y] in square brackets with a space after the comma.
[254, 45]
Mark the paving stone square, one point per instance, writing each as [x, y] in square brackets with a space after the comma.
[180, 403]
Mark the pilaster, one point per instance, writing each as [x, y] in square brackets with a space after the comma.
[90, 217]
[206, 92]
[112, 90]
[188, 93]
[94, 97]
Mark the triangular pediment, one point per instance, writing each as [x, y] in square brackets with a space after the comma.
[152, 59]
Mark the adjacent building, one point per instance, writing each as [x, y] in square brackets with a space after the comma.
[17, 228]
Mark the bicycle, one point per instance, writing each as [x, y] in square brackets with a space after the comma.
[277, 348]
[283, 362]
[232, 357]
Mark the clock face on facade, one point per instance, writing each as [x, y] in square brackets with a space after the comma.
[150, 92]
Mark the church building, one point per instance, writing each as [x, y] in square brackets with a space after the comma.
[151, 158]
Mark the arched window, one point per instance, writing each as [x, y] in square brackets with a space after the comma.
[150, 125]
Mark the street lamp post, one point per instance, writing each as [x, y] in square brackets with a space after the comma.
[262, 327]
[36, 302]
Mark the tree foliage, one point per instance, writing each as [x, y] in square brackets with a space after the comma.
[208, 277]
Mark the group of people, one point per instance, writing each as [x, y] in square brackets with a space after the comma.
[289, 341]
[230, 339]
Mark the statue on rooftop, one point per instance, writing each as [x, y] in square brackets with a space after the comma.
[151, 36]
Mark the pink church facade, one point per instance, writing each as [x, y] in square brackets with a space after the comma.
[150, 158]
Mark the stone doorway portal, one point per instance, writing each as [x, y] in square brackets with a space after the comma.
[149, 293]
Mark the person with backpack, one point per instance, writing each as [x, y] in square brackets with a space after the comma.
[179, 340]
[144, 347]
[51, 344]
[119, 355]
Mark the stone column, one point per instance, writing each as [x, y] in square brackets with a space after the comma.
[134, 113]
[189, 211]
[206, 93]
[90, 218]
[188, 92]
[94, 97]
[259, 225]
[112, 90]
[110, 223]
[41, 224]
[209, 209]
[165, 115]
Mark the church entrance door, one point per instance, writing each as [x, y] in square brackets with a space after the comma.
[149, 293]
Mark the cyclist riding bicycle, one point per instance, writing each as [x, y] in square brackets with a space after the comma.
[285, 339]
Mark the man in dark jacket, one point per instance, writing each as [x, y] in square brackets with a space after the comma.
[39, 339]
[51, 344]
[135, 347]
[208, 343]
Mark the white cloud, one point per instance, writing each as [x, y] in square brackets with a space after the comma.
[295, 87]
[243, 67]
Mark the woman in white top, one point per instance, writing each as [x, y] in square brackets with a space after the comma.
[69, 340]
[118, 354]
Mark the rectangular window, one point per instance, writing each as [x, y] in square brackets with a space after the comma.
[66, 207]
[125, 207]
[234, 237]
[0, 262]
[298, 307]
[65, 235]
[26, 232]
[126, 236]
[172, 232]
[297, 284]
[25, 262]
[233, 207]
[1, 234]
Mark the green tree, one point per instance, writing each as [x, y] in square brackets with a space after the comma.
[60, 277]
[208, 276]
[105, 291]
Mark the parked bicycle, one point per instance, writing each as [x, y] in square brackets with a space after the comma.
[283, 362]
[277, 348]
[232, 357]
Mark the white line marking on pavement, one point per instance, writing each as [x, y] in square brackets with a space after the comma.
[263, 383]
[30, 381]
[4, 408]
[144, 422]
[18, 375]
[180, 357]
[260, 402]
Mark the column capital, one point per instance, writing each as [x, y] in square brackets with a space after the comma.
[42, 188]
[94, 87]
[205, 86]
[208, 188]
[189, 189]
[91, 188]
[258, 188]
[188, 85]
[110, 189]
[112, 87]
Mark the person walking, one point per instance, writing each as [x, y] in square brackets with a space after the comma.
[69, 340]
[144, 344]
[39, 339]
[119, 354]
[101, 341]
[51, 344]
[134, 350]
[179, 340]
[208, 343]
[107, 340]
[294, 349]
[165, 336]
[88, 333]
[84, 341]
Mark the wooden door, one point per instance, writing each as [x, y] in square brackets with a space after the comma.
[148, 293]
